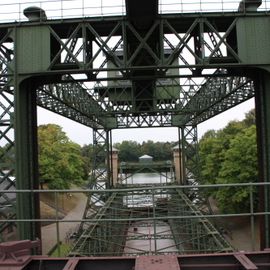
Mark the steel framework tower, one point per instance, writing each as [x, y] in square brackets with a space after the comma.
[221, 59]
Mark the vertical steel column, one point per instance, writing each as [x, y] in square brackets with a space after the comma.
[262, 99]
[102, 159]
[181, 164]
[190, 156]
[101, 164]
[26, 158]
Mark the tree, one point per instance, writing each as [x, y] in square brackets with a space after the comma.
[230, 156]
[211, 151]
[128, 151]
[7, 157]
[87, 152]
[160, 151]
[60, 160]
[240, 165]
[250, 118]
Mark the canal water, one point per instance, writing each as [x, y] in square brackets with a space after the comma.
[148, 237]
[147, 178]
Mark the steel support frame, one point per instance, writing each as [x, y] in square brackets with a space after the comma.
[262, 99]
[194, 235]
[71, 100]
[101, 173]
[104, 238]
[7, 156]
[25, 119]
[113, 227]
[190, 167]
[190, 154]
[193, 29]
[125, 65]
[81, 37]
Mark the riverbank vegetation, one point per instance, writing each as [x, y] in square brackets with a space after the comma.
[229, 156]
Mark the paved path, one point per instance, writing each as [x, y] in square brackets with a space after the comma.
[49, 232]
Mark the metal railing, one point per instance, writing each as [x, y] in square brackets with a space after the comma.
[199, 6]
[12, 10]
[115, 220]
[58, 9]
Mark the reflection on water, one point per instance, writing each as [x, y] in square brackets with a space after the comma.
[148, 237]
[144, 198]
[147, 178]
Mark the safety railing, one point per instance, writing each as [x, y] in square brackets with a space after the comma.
[161, 218]
[13, 10]
[199, 6]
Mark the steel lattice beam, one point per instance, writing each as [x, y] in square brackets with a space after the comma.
[213, 97]
[203, 42]
[7, 155]
[127, 216]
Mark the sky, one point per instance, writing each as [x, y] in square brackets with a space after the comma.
[83, 135]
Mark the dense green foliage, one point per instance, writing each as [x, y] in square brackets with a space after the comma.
[7, 157]
[87, 152]
[60, 160]
[230, 156]
[130, 151]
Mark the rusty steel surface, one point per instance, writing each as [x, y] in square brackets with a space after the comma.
[157, 262]
[16, 253]
[16, 256]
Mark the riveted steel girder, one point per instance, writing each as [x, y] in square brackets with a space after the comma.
[148, 101]
[198, 43]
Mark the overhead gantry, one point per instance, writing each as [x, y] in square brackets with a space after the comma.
[143, 69]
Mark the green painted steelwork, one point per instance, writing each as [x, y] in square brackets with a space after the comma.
[26, 158]
[115, 230]
[262, 121]
[129, 72]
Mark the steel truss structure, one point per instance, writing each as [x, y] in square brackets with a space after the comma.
[161, 220]
[132, 71]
